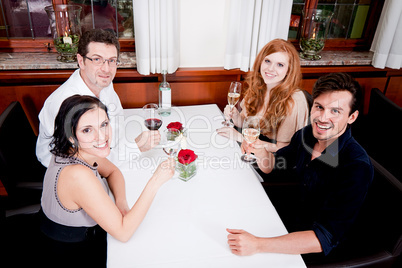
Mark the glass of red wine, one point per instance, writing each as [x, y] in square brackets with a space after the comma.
[153, 120]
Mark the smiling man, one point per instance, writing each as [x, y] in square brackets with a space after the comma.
[98, 58]
[334, 173]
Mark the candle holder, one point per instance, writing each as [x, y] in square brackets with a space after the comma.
[66, 30]
[314, 30]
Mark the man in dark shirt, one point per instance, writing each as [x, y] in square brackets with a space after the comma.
[334, 170]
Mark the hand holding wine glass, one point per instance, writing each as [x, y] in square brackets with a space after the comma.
[251, 132]
[233, 97]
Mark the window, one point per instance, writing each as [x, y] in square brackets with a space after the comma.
[24, 24]
[353, 24]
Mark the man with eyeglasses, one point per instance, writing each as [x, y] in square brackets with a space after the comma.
[98, 58]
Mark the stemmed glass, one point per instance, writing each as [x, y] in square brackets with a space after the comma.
[251, 132]
[233, 98]
[171, 146]
[153, 120]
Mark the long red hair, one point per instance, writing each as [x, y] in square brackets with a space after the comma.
[280, 99]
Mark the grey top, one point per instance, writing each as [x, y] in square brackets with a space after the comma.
[51, 205]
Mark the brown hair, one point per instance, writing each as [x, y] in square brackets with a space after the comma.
[99, 36]
[280, 99]
[340, 82]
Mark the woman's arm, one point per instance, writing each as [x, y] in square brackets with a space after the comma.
[116, 183]
[83, 189]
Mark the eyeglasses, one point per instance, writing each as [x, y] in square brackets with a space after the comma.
[100, 61]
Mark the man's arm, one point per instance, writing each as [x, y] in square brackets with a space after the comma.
[46, 129]
[244, 243]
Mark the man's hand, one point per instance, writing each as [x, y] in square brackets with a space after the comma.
[242, 243]
[148, 140]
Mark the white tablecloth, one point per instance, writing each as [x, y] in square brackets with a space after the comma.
[186, 224]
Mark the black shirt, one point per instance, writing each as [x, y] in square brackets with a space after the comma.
[333, 185]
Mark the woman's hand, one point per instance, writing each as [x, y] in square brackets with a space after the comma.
[230, 133]
[233, 114]
[165, 171]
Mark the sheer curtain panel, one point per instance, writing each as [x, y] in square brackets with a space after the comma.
[252, 24]
[157, 39]
[387, 42]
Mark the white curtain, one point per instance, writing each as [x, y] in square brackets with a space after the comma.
[157, 40]
[252, 24]
[387, 42]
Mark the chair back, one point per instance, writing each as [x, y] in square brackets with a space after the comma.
[18, 161]
[383, 132]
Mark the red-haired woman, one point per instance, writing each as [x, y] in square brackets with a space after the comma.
[272, 93]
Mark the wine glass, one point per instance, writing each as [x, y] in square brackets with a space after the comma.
[153, 120]
[233, 97]
[171, 145]
[251, 132]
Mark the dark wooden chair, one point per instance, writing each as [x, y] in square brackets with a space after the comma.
[380, 132]
[21, 173]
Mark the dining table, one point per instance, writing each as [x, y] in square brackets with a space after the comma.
[187, 221]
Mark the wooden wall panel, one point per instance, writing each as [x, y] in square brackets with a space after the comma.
[136, 95]
[394, 90]
[32, 99]
[366, 83]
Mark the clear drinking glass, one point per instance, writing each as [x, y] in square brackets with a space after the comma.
[251, 132]
[153, 120]
[171, 143]
[233, 97]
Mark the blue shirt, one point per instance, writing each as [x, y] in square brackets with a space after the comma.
[333, 186]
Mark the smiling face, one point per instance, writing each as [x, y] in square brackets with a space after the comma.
[274, 68]
[94, 134]
[97, 77]
[330, 115]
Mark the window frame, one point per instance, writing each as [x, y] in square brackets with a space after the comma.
[46, 44]
[360, 44]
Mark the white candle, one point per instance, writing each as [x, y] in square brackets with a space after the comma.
[67, 40]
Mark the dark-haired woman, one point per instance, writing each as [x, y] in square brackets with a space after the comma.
[76, 206]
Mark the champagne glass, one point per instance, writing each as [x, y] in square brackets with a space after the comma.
[153, 120]
[233, 98]
[251, 132]
[171, 146]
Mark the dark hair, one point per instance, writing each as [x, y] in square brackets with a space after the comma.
[99, 36]
[65, 124]
[339, 82]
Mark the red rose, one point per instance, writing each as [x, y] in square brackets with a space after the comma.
[175, 126]
[186, 156]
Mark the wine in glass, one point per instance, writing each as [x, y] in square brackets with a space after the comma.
[251, 132]
[153, 119]
[233, 98]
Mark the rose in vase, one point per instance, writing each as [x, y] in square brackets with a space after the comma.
[186, 165]
[175, 129]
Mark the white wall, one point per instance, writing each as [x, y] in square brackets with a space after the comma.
[203, 27]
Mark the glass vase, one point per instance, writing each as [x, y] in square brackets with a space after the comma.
[66, 30]
[313, 32]
[186, 172]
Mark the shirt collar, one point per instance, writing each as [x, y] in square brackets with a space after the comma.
[330, 154]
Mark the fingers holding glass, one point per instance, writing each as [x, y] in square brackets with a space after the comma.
[234, 93]
[251, 132]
